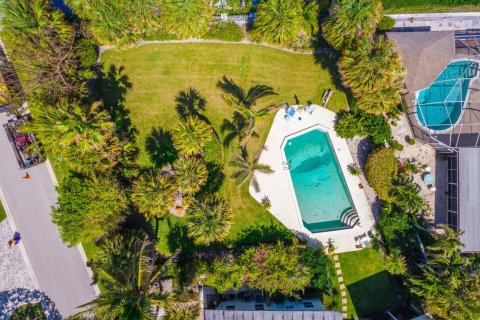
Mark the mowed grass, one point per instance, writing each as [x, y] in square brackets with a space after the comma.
[157, 74]
[424, 6]
[369, 288]
[3, 214]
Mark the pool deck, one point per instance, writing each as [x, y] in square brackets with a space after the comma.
[279, 189]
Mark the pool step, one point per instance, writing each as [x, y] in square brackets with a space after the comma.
[350, 218]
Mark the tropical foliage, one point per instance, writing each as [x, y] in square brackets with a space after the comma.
[190, 175]
[154, 194]
[373, 71]
[83, 137]
[134, 294]
[226, 31]
[245, 170]
[43, 47]
[381, 169]
[359, 123]
[449, 288]
[88, 209]
[351, 20]
[209, 220]
[118, 22]
[191, 135]
[281, 21]
[187, 18]
[395, 263]
[405, 194]
[244, 119]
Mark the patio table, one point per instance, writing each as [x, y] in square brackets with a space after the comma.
[429, 178]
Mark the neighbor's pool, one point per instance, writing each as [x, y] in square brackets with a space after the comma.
[439, 106]
[320, 188]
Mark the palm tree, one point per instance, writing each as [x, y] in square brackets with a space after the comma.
[83, 137]
[153, 194]
[446, 243]
[175, 310]
[350, 20]
[237, 96]
[395, 263]
[406, 196]
[134, 294]
[374, 72]
[187, 18]
[208, 220]
[190, 175]
[246, 170]
[190, 103]
[279, 21]
[190, 136]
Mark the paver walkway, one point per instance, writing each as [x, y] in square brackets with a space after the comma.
[60, 271]
[438, 21]
[343, 289]
[13, 268]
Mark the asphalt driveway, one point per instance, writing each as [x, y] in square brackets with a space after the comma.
[60, 271]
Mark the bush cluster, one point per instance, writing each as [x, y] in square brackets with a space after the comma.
[381, 169]
[386, 23]
[225, 31]
[358, 123]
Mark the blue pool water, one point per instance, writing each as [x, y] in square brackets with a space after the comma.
[320, 188]
[440, 105]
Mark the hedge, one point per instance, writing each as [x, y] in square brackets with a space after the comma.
[381, 168]
[225, 31]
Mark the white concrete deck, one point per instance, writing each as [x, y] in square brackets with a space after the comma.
[279, 189]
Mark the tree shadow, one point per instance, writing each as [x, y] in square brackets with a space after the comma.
[178, 237]
[189, 103]
[215, 180]
[263, 234]
[159, 146]
[10, 300]
[372, 294]
[234, 128]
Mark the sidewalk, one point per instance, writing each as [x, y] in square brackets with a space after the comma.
[60, 271]
[438, 21]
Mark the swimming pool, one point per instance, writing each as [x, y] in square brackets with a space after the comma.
[439, 106]
[320, 188]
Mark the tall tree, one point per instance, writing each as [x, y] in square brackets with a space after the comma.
[209, 220]
[281, 21]
[119, 22]
[190, 175]
[246, 170]
[191, 135]
[153, 194]
[187, 18]
[88, 209]
[43, 48]
[245, 100]
[350, 20]
[135, 294]
[83, 137]
[374, 72]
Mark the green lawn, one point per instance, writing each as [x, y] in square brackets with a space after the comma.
[157, 73]
[421, 6]
[369, 288]
[3, 215]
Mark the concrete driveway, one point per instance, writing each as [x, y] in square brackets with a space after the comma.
[59, 271]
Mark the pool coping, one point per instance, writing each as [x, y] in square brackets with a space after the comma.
[279, 189]
[282, 147]
[432, 131]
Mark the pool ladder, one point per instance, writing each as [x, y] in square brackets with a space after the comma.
[350, 217]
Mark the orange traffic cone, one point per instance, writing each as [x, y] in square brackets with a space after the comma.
[26, 177]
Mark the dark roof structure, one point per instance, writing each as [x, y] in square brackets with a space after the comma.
[424, 55]
[469, 198]
[271, 315]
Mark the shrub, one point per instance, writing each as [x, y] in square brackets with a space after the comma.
[386, 24]
[348, 125]
[380, 169]
[160, 34]
[396, 145]
[354, 169]
[320, 266]
[376, 126]
[411, 141]
[87, 51]
[225, 31]
[403, 107]
[32, 311]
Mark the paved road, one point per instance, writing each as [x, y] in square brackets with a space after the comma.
[60, 271]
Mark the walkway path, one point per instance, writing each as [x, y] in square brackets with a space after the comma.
[60, 271]
[343, 289]
[439, 21]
